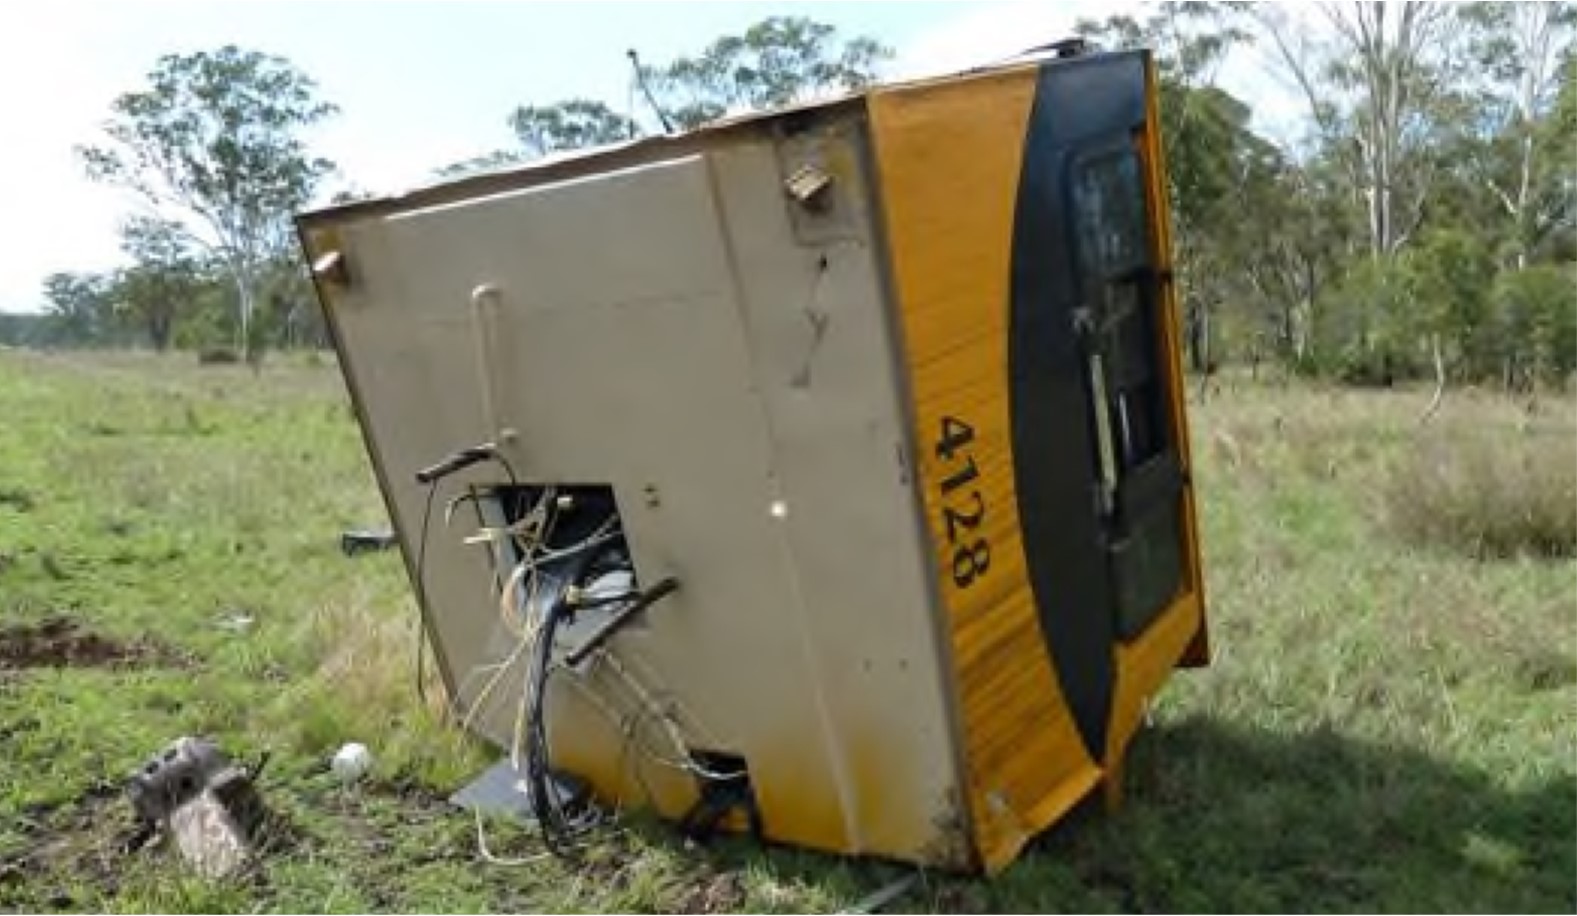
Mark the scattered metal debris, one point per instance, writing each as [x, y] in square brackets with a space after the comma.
[885, 895]
[192, 792]
[501, 790]
[237, 621]
[366, 540]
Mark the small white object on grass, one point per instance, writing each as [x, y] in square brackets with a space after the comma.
[237, 622]
[351, 762]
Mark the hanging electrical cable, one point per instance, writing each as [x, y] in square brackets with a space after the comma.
[556, 569]
[421, 596]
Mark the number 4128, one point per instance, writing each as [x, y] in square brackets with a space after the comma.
[962, 512]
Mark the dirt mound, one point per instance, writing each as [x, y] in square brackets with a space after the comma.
[61, 642]
[88, 835]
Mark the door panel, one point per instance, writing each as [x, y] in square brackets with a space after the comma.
[1116, 320]
[1096, 474]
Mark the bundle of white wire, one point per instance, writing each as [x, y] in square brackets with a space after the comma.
[522, 612]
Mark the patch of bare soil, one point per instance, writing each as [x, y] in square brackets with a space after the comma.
[61, 642]
[87, 837]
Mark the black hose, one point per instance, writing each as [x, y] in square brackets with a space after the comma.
[556, 829]
[464, 458]
[620, 618]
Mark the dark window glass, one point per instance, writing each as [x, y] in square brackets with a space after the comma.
[1113, 244]
[1108, 200]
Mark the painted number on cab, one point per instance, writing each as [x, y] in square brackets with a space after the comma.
[963, 508]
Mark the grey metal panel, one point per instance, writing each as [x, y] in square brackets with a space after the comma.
[677, 331]
[824, 363]
[612, 342]
[399, 370]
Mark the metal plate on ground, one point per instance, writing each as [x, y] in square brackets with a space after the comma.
[501, 789]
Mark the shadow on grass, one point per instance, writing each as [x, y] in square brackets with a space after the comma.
[1218, 819]
[1226, 819]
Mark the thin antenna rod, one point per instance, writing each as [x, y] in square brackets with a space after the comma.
[640, 80]
[629, 108]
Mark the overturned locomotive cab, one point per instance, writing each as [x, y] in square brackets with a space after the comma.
[823, 473]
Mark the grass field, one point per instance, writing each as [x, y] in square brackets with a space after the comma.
[1390, 723]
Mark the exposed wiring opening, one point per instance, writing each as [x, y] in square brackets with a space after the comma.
[559, 552]
[535, 601]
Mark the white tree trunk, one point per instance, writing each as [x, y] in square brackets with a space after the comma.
[1534, 29]
[1440, 380]
[1389, 56]
[246, 299]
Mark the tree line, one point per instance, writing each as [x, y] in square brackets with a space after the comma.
[1423, 223]
[1420, 223]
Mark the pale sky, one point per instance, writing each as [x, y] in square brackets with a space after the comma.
[420, 83]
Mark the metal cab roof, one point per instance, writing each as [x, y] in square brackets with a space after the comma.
[573, 163]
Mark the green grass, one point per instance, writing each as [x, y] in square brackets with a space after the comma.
[1390, 722]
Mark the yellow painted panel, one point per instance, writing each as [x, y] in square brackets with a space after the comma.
[1144, 664]
[949, 156]
[1179, 632]
[1198, 650]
